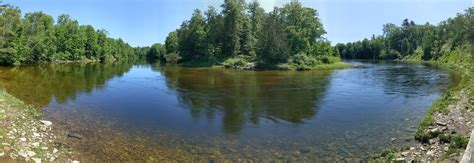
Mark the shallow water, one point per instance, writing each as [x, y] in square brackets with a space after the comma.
[148, 112]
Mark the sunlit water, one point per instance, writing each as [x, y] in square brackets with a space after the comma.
[154, 112]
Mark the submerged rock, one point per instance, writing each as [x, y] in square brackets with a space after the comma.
[74, 135]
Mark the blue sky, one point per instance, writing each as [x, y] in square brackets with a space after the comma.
[144, 22]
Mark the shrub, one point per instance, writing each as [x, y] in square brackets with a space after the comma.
[302, 60]
[172, 57]
[240, 62]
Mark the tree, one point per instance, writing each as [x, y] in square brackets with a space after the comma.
[273, 43]
[302, 26]
[155, 52]
[233, 23]
[69, 40]
[91, 48]
[171, 43]
[10, 44]
[39, 30]
[192, 38]
[214, 29]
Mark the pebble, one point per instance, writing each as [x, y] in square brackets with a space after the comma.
[430, 153]
[6, 149]
[55, 151]
[432, 141]
[22, 139]
[36, 135]
[405, 153]
[441, 123]
[30, 153]
[434, 130]
[2, 154]
[393, 139]
[46, 123]
[36, 160]
[75, 161]
[35, 144]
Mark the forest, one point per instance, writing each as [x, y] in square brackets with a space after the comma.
[36, 38]
[242, 35]
[450, 40]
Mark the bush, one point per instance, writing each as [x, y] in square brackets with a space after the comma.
[239, 62]
[302, 60]
[329, 59]
[172, 57]
[390, 54]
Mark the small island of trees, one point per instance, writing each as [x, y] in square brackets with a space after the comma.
[243, 36]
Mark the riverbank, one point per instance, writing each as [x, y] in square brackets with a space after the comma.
[444, 131]
[25, 138]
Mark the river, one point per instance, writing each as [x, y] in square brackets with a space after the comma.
[152, 112]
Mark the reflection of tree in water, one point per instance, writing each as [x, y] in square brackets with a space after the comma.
[410, 80]
[38, 84]
[246, 96]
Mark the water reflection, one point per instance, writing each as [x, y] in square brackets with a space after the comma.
[38, 85]
[247, 96]
[127, 112]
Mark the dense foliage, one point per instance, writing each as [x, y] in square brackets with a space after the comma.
[243, 33]
[411, 41]
[34, 38]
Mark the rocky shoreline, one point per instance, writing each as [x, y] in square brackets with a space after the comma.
[452, 130]
[25, 138]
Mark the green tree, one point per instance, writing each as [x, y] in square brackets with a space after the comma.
[10, 43]
[233, 25]
[69, 39]
[91, 48]
[273, 44]
[302, 26]
[39, 30]
[171, 42]
[214, 29]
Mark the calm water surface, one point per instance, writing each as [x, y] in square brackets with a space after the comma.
[154, 112]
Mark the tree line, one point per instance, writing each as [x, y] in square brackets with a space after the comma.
[450, 39]
[36, 38]
[242, 33]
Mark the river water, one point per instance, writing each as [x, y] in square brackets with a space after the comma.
[152, 112]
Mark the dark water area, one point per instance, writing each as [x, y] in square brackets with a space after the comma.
[151, 112]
